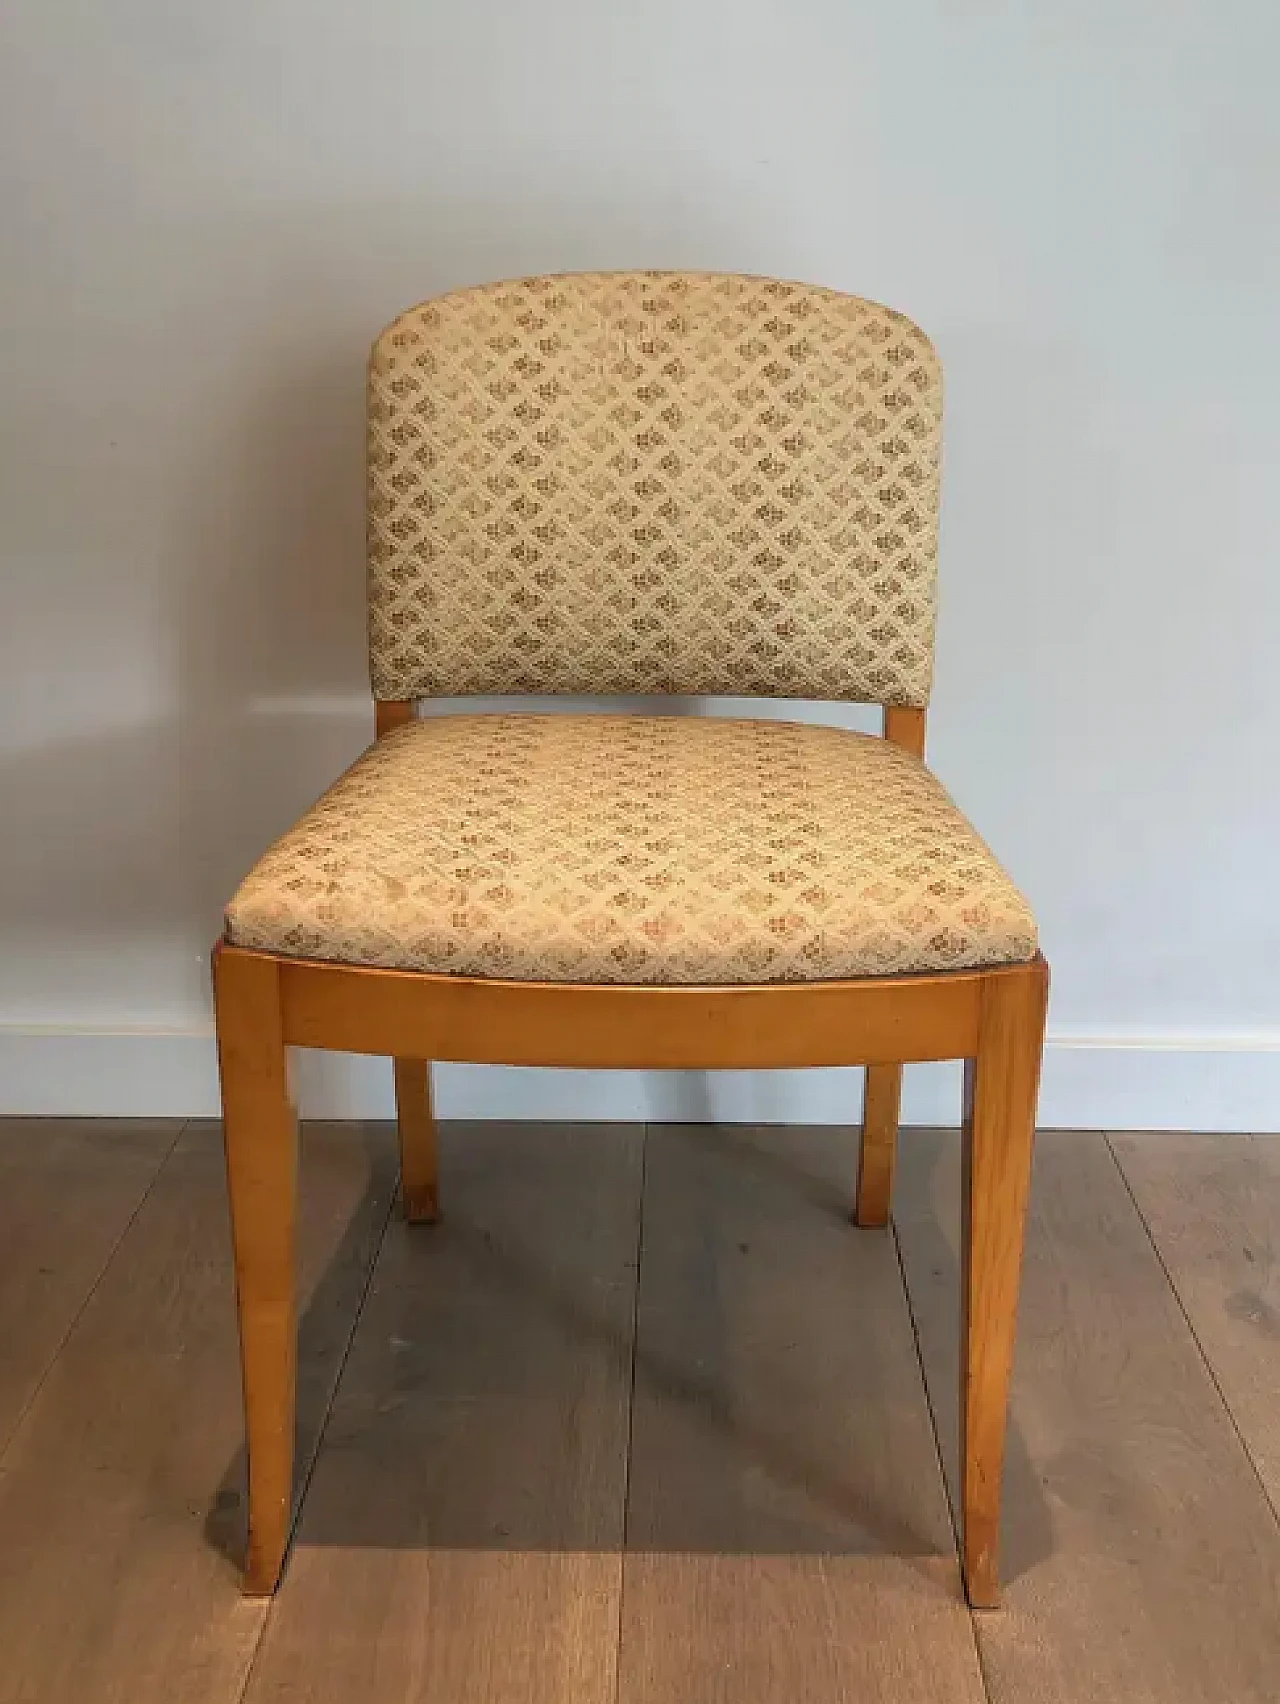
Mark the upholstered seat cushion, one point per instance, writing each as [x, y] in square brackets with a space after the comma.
[603, 848]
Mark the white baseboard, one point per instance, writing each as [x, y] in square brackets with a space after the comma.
[1090, 1082]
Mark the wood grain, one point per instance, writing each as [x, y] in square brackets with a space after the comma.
[1212, 1206]
[389, 713]
[419, 1163]
[1000, 1091]
[905, 726]
[68, 1189]
[787, 1529]
[877, 1146]
[1142, 1562]
[124, 1484]
[413, 1015]
[260, 1132]
[461, 1538]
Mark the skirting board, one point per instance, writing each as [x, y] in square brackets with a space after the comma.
[1090, 1082]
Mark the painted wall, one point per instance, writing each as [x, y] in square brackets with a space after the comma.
[209, 210]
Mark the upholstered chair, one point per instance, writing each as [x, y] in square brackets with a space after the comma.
[636, 484]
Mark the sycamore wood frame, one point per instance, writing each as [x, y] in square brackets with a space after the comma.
[992, 1019]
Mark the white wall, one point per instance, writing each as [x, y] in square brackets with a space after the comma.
[209, 209]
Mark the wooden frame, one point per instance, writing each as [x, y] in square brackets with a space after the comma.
[993, 1019]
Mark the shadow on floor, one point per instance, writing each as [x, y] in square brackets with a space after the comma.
[511, 1386]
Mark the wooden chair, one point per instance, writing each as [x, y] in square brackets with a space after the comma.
[636, 484]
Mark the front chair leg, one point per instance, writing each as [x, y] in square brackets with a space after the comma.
[260, 1136]
[881, 1099]
[419, 1186]
[999, 1129]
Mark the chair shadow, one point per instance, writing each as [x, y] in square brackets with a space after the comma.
[489, 1349]
[325, 1325]
[1026, 1535]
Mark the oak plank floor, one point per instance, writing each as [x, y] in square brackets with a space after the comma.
[787, 1533]
[1142, 1560]
[468, 1535]
[462, 1536]
[1212, 1206]
[68, 1189]
[110, 1586]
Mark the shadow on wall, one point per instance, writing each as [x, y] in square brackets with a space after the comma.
[122, 884]
[270, 549]
[269, 546]
[271, 623]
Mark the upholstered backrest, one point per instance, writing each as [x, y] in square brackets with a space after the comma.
[653, 482]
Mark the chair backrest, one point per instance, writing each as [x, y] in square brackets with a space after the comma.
[653, 482]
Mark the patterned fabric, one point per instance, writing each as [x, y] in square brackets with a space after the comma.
[653, 482]
[634, 849]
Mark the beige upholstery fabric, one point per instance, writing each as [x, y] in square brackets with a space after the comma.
[653, 482]
[634, 849]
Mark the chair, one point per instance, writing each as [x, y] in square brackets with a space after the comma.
[640, 483]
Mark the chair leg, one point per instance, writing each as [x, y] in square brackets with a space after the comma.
[880, 1102]
[999, 1129]
[260, 1137]
[419, 1185]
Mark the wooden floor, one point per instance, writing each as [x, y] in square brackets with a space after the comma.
[644, 1419]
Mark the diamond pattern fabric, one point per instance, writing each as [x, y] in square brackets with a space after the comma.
[653, 482]
[632, 849]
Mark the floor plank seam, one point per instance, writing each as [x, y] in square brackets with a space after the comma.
[7, 1443]
[758, 1560]
[356, 1314]
[937, 1450]
[631, 1414]
[1195, 1335]
[928, 1394]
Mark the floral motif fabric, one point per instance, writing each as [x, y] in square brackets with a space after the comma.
[653, 482]
[633, 849]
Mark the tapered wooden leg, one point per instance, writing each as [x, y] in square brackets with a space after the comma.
[999, 1129]
[260, 1135]
[880, 1102]
[419, 1185]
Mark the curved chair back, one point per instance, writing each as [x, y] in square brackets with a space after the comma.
[653, 482]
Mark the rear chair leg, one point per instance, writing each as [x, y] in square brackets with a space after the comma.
[999, 1129]
[260, 1136]
[419, 1184]
[880, 1103]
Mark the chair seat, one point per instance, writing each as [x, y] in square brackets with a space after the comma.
[634, 849]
